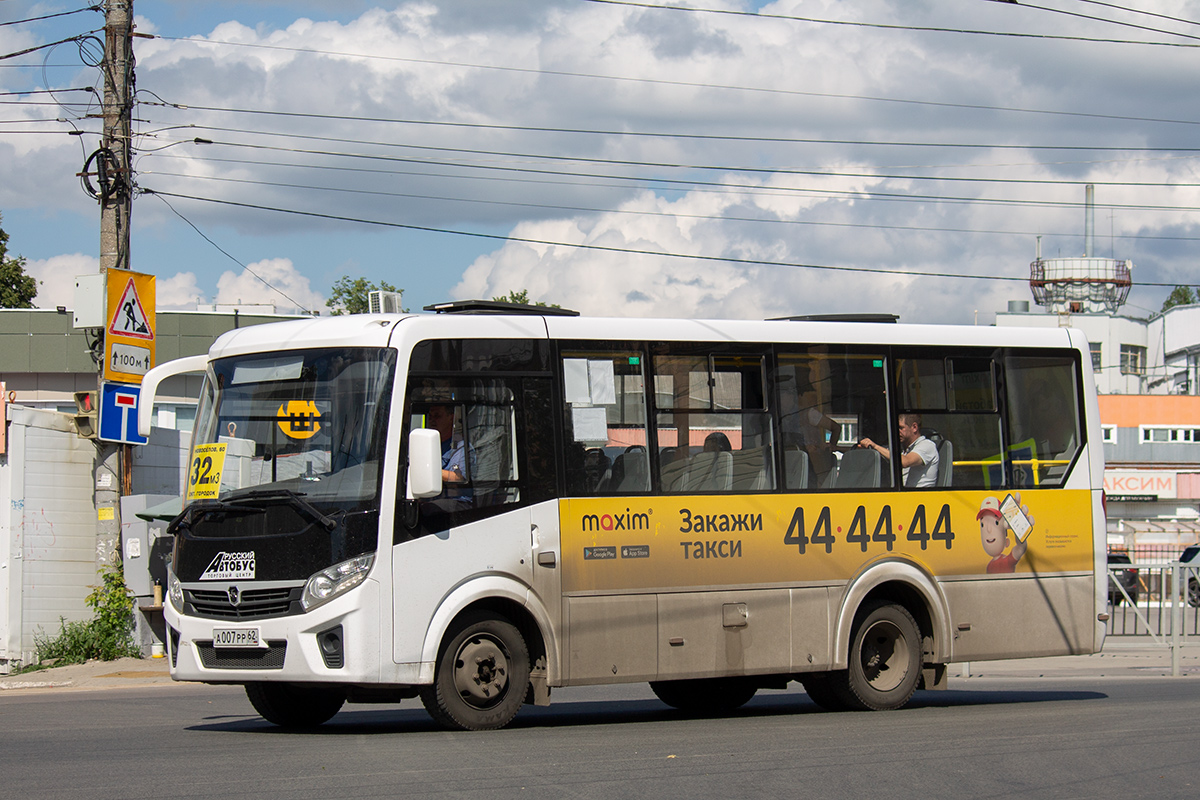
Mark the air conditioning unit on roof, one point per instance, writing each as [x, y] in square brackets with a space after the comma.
[381, 302]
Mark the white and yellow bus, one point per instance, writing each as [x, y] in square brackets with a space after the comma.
[477, 506]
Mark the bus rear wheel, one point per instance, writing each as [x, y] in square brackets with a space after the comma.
[482, 675]
[884, 659]
[705, 695]
[291, 706]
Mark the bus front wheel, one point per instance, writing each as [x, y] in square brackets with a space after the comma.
[705, 695]
[292, 706]
[885, 659]
[482, 675]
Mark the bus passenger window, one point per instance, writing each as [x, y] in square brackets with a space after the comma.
[714, 435]
[605, 422]
[1043, 419]
[825, 404]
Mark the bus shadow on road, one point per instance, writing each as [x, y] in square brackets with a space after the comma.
[382, 720]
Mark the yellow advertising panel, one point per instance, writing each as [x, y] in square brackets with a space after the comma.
[622, 544]
[204, 473]
[129, 341]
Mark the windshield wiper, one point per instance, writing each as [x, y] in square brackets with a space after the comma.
[187, 517]
[295, 499]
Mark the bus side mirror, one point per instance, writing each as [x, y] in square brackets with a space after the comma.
[424, 463]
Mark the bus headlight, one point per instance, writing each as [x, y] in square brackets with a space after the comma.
[174, 591]
[329, 583]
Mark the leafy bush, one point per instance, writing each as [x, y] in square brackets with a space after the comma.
[107, 636]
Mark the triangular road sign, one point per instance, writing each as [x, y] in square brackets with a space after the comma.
[129, 317]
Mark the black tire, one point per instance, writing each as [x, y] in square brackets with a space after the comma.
[705, 695]
[826, 689]
[1193, 593]
[291, 706]
[884, 665]
[482, 675]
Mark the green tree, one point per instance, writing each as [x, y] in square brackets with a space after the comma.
[349, 295]
[1180, 296]
[17, 289]
[522, 298]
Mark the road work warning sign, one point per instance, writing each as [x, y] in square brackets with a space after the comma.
[129, 336]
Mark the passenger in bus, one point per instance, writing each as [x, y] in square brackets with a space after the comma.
[717, 442]
[455, 467]
[918, 459]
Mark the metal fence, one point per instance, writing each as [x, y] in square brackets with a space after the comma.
[1156, 598]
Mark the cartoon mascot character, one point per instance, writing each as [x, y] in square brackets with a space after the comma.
[993, 531]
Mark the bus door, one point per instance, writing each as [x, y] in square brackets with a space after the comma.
[497, 462]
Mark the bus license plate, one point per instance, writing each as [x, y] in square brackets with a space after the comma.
[236, 637]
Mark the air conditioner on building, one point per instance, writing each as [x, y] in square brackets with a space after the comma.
[381, 302]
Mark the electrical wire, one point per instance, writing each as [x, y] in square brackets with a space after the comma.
[712, 187]
[36, 48]
[643, 213]
[917, 28]
[679, 135]
[1139, 11]
[611, 249]
[228, 255]
[52, 16]
[768, 171]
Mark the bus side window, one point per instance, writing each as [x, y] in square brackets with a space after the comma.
[714, 433]
[1043, 419]
[605, 422]
[826, 402]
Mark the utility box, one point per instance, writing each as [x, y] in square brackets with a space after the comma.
[146, 546]
[90, 298]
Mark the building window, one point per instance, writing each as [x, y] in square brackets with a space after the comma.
[1133, 359]
[1109, 434]
[1097, 361]
[1161, 433]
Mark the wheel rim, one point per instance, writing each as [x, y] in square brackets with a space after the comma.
[884, 656]
[481, 671]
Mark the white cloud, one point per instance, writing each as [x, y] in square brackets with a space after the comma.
[56, 278]
[821, 98]
[274, 281]
[180, 291]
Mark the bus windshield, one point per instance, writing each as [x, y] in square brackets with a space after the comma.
[306, 422]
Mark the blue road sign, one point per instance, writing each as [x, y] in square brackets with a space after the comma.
[118, 413]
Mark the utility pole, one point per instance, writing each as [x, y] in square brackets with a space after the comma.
[113, 165]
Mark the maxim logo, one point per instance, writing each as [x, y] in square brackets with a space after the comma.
[616, 522]
[230, 566]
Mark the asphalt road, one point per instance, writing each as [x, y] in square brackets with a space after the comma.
[991, 738]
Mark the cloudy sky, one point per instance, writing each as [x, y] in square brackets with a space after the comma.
[731, 159]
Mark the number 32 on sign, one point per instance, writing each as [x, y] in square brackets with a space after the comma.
[204, 473]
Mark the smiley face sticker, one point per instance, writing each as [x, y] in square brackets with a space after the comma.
[298, 419]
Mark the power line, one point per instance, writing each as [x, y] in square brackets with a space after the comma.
[1139, 11]
[35, 48]
[646, 213]
[52, 16]
[1106, 20]
[659, 180]
[227, 254]
[663, 82]
[917, 28]
[679, 135]
[610, 249]
[719, 187]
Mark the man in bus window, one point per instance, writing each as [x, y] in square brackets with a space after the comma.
[455, 466]
[919, 456]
